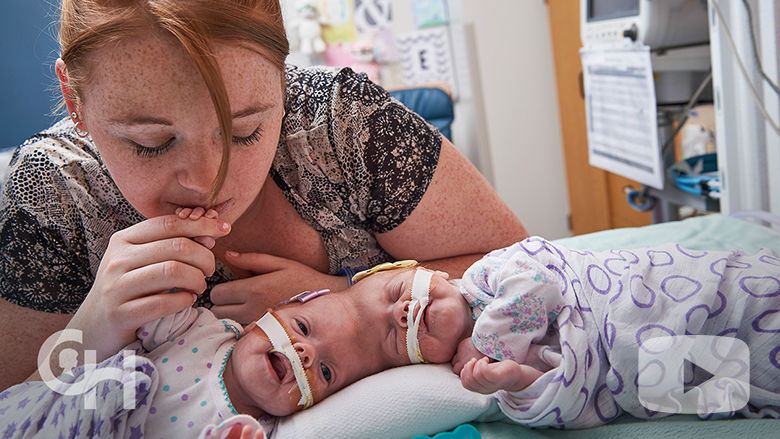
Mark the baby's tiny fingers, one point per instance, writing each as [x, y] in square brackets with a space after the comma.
[183, 212]
[211, 213]
[197, 213]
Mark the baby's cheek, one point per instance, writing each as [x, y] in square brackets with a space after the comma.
[436, 352]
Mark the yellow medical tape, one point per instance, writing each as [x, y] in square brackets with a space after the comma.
[383, 267]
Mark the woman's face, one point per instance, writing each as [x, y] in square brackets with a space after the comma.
[151, 117]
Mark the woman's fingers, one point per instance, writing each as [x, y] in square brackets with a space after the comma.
[156, 306]
[178, 249]
[170, 226]
[205, 241]
[235, 292]
[162, 276]
[257, 263]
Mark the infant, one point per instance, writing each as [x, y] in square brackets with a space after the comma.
[556, 333]
[195, 374]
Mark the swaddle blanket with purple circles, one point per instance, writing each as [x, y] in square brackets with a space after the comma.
[582, 317]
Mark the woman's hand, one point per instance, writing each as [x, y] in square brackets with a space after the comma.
[149, 270]
[274, 279]
[482, 376]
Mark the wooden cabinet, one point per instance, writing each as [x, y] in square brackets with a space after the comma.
[597, 200]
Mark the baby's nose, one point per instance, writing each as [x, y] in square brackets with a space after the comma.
[306, 353]
[400, 314]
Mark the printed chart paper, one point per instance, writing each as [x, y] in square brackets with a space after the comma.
[621, 113]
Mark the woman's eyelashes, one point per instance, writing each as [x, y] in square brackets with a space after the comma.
[250, 139]
[154, 151]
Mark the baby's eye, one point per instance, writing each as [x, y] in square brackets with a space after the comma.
[325, 372]
[399, 291]
[303, 328]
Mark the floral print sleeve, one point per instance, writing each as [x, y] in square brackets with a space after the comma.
[514, 298]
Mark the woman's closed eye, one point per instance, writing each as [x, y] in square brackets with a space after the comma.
[152, 151]
[250, 139]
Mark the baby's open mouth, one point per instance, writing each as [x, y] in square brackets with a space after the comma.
[280, 365]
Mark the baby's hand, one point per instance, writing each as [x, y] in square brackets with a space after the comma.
[235, 427]
[194, 214]
[482, 376]
[466, 351]
[245, 432]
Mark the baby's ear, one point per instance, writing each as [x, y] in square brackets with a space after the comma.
[443, 274]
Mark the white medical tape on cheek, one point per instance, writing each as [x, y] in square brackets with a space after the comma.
[281, 343]
[421, 286]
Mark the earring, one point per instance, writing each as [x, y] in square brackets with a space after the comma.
[79, 131]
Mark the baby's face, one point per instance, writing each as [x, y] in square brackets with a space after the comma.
[335, 344]
[383, 299]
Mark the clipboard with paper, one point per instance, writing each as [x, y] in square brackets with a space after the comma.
[621, 112]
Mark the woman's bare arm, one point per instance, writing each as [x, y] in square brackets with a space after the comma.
[458, 220]
[23, 331]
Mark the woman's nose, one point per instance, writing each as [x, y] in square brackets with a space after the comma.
[199, 167]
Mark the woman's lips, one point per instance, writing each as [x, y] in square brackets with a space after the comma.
[220, 207]
[223, 206]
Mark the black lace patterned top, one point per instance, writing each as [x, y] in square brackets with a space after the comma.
[351, 160]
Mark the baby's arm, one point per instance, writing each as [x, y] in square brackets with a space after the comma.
[482, 376]
[478, 374]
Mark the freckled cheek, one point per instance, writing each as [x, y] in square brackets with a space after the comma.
[249, 167]
[141, 183]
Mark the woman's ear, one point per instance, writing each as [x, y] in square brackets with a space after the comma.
[67, 92]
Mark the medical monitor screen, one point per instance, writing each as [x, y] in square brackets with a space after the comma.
[608, 9]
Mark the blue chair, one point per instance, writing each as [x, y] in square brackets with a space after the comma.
[27, 81]
[433, 103]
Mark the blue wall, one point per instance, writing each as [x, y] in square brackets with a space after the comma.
[28, 86]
